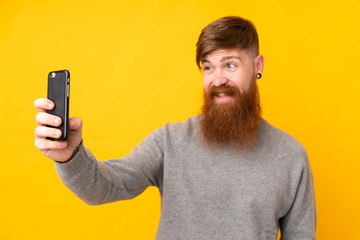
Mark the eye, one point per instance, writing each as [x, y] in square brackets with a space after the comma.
[230, 65]
[206, 68]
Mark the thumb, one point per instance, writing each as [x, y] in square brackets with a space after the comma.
[75, 124]
[75, 132]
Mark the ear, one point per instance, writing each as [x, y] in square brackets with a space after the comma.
[259, 64]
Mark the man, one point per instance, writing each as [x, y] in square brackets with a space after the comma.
[223, 174]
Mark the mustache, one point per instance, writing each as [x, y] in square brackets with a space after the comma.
[224, 89]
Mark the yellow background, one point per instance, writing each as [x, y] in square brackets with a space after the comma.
[133, 68]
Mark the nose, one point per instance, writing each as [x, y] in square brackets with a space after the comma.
[219, 78]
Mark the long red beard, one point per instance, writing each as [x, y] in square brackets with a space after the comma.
[231, 124]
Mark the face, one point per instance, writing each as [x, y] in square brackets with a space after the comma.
[231, 110]
[230, 67]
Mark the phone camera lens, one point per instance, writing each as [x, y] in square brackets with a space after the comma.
[52, 75]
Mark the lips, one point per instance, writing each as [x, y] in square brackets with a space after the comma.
[221, 95]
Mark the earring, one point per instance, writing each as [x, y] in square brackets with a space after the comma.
[258, 75]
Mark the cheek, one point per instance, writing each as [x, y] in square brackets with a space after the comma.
[206, 82]
[242, 80]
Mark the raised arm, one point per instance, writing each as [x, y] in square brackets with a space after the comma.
[98, 182]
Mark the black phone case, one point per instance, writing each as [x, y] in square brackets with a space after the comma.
[58, 92]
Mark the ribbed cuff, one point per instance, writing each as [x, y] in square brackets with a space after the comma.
[76, 163]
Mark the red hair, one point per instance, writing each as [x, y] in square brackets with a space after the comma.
[227, 33]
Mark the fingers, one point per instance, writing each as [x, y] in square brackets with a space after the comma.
[43, 144]
[43, 104]
[43, 132]
[43, 118]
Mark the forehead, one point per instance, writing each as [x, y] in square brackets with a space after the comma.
[224, 54]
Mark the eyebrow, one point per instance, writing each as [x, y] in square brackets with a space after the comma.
[230, 57]
[223, 59]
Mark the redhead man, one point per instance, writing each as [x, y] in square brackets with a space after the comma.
[223, 174]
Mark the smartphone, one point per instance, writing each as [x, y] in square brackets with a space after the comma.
[58, 92]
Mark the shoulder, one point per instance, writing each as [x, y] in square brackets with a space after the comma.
[177, 130]
[186, 129]
[279, 138]
[189, 124]
[282, 143]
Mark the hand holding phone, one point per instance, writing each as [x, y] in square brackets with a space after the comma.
[53, 116]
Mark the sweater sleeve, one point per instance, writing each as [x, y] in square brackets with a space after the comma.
[98, 182]
[300, 221]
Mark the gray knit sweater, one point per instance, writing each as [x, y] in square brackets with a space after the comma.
[207, 194]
